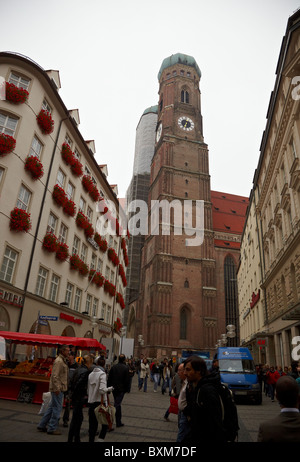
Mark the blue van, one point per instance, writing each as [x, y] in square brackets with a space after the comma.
[238, 371]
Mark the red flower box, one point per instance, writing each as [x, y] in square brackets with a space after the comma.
[113, 256]
[70, 159]
[7, 144]
[122, 274]
[15, 94]
[96, 277]
[83, 222]
[59, 195]
[91, 188]
[109, 288]
[101, 242]
[19, 220]
[120, 300]
[50, 242]
[118, 325]
[45, 122]
[77, 264]
[34, 166]
[62, 251]
[70, 208]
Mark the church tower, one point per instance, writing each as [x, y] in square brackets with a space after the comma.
[177, 302]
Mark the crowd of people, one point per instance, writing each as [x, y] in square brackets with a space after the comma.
[196, 391]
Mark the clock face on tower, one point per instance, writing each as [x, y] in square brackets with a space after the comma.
[185, 123]
[158, 133]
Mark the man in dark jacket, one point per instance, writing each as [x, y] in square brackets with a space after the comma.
[118, 378]
[203, 410]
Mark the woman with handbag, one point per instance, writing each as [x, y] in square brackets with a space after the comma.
[97, 396]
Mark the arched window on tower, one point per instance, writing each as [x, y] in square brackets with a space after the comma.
[231, 298]
[183, 323]
[185, 97]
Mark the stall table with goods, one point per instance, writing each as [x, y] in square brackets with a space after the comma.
[27, 380]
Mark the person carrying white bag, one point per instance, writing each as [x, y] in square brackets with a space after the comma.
[97, 392]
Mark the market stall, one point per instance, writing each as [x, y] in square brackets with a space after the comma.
[28, 380]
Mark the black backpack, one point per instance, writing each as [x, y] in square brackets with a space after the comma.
[229, 413]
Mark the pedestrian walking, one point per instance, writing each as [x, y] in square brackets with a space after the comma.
[272, 377]
[144, 374]
[57, 386]
[285, 428]
[175, 387]
[73, 365]
[131, 367]
[155, 374]
[203, 409]
[118, 378]
[184, 426]
[167, 377]
[78, 394]
[97, 388]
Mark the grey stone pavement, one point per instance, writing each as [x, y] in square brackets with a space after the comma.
[142, 417]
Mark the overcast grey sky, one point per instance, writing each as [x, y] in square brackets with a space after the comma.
[109, 55]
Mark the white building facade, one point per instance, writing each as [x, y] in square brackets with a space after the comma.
[64, 275]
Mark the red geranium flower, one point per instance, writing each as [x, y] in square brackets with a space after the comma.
[7, 144]
[34, 166]
[19, 220]
[50, 242]
[45, 122]
[15, 95]
[62, 251]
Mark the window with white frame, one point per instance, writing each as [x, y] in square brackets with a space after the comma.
[60, 179]
[54, 288]
[77, 300]
[76, 245]
[108, 315]
[1, 174]
[63, 231]
[107, 272]
[46, 106]
[100, 265]
[69, 294]
[70, 191]
[36, 147]
[52, 222]
[77, 154]
[82, 204]
[41, 281]
[89, 213]
[68, 140]
[19, 81]
[8, 124]
[88, 303]
[84, 250]
[95, 307]
[23, 198]
[93, 261]
[8, 264]
[103, 310]
[112, 276]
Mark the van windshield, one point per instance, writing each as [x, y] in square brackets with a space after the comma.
[235, 366]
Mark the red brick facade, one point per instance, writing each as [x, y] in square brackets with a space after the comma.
[181, 303]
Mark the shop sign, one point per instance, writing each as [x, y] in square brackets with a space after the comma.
[11, 298]
[69, 318]
[93, 243]
[255, 298]
[262, 342]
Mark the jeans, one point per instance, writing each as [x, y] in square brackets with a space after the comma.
[143, 382]
[156, 380]
[183, 427]
[118, 398]
[52, 415]
[166, 383]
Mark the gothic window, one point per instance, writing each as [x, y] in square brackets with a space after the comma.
[186, 284]
[185, 97]
[183, 323]
[231, 297]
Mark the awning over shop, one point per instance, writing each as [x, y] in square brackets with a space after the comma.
[52, 340]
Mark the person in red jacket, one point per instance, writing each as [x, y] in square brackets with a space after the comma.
[272, 377]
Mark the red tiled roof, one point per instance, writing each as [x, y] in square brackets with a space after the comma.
[228, 215]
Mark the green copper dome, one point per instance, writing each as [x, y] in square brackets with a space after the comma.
[178, 58]
[151, 109]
